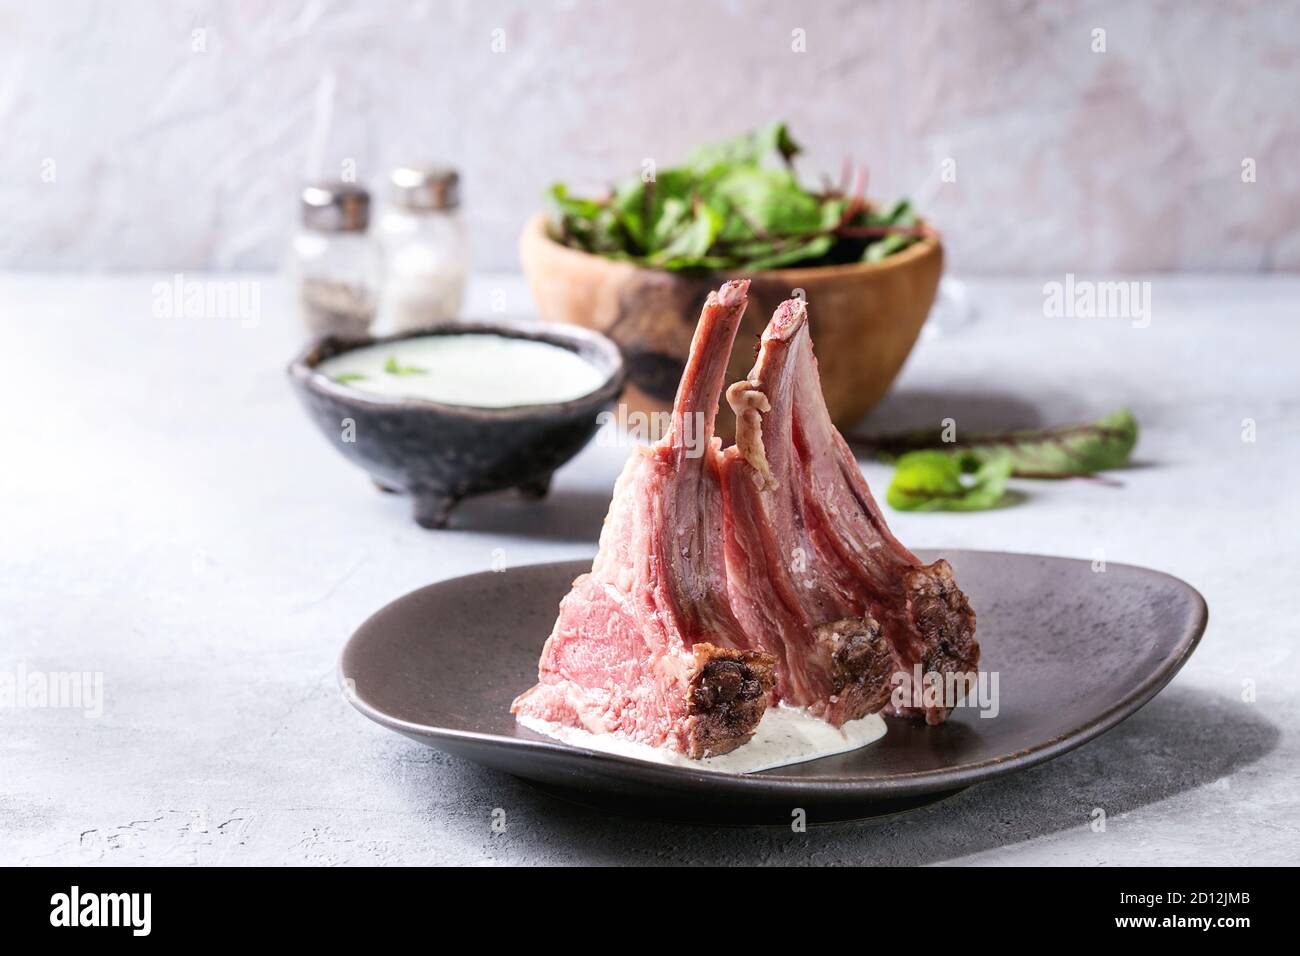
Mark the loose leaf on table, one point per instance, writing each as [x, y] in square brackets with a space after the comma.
[1048, 453]
[937, 481]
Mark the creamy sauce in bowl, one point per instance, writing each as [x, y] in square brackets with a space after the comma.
[785, 735]
[479, 369]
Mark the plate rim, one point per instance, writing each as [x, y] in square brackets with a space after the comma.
[895, 784]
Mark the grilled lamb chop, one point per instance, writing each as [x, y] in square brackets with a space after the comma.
[816, 577]
[646, 644]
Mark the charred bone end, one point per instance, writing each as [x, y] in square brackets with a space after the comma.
[728, 693]
[945, 622]
[861, 663]
[750, 404]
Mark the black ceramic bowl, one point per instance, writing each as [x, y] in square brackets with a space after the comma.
[439, 454]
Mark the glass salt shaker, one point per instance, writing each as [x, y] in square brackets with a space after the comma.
[422, 241]
[334, 262]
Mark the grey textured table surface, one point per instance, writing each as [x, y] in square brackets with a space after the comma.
[169, 520]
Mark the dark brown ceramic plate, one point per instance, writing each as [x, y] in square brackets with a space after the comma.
[1075, 650]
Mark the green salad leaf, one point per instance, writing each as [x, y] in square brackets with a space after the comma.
[747, 149]
[899, 216]
[972, 474]
[937, 481]
[726, 208]
[1067, 452]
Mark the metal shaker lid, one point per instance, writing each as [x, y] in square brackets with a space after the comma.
[424, 187]
[335, 207]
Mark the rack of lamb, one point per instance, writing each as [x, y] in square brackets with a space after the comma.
[727, 582]
[646, 644]
[816, 577]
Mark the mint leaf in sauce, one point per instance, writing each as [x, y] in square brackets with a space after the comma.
[344, 377]
[393, 368]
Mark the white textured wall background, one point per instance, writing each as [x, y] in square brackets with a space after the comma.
[1067, 159]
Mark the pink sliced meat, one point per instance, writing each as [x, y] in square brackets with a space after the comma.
[816, 578]
[646, 644]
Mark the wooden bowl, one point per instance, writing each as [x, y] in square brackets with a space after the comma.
[864, 317]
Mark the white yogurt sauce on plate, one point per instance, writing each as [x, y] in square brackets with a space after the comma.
[784, 736]
[481, 369]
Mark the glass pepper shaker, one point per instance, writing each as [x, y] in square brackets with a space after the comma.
[334, 261]
[423, 244]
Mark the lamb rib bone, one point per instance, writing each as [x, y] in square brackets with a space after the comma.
[646, 644]
[815, 575]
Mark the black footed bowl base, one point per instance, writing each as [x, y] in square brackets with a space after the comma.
[440, 454]
[433, 509]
